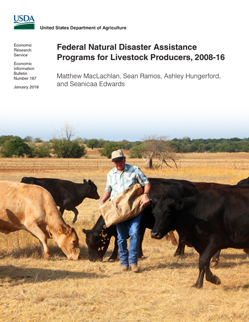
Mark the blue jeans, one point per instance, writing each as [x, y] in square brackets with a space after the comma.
[125, 229]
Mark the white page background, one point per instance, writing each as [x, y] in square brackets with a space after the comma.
[174, 108]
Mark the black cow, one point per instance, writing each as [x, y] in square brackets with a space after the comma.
[243, 181]
[216, 258]
[67, 194]
[209, 221]
[202, 186]
[98, 238]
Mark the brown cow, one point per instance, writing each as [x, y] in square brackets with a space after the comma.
[67, 194]
[33, 209]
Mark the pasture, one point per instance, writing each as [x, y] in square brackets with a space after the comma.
[34, 289]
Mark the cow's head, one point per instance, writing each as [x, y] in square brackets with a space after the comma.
[67, 240]
[92, 191]
[97, 244]
[29, 180]
[164, 219]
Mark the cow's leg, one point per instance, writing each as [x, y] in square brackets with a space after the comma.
[38, 233]
[212, 278]
[199, 282]
[140, 251]
[204, 262]
[215, 259]
[75, 215]
[114, 255]
[180, 250]
[172, 238]
[181, 247]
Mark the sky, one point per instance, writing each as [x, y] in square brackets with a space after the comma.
[215, 106]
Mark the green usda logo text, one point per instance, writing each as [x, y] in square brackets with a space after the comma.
[24, 22]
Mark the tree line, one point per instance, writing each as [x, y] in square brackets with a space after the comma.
[15, 146]
[150, 148]
[186, 145]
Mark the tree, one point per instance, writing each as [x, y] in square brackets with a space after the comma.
[16, 147]
[245, 148]
[41, 151]
[38, 140]
[108, 148]
[68, 149]
[201, 147]
[67, 132]
[92, 143]
[157, 147]
[137, 151]
[79, 140]
[101, 143]
[28, 139]
[125, 145]
[4, 138]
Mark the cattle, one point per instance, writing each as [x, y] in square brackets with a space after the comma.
[202, 186]
[67, 194]
[209, 221]
[33, 209]
[243, 181]
[98, 238]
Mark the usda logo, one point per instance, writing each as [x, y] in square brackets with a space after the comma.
[24, 22]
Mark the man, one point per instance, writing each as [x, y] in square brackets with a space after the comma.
[120, 178]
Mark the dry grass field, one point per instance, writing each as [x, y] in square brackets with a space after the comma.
[34, 289]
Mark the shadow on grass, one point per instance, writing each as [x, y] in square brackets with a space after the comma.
[227, 260]
[35, 252]
[13, 275]
[229, 288]
[233, 258]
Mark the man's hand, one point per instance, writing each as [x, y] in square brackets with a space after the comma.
[145, 200]
[105, 196]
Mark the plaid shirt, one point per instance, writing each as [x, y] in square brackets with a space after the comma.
[118, 182]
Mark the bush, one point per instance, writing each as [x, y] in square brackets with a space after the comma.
[92, 143]
[136, 151]
[68, 149]
[109, 147]
[5, 138]
[41, 151]
[16, 147]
